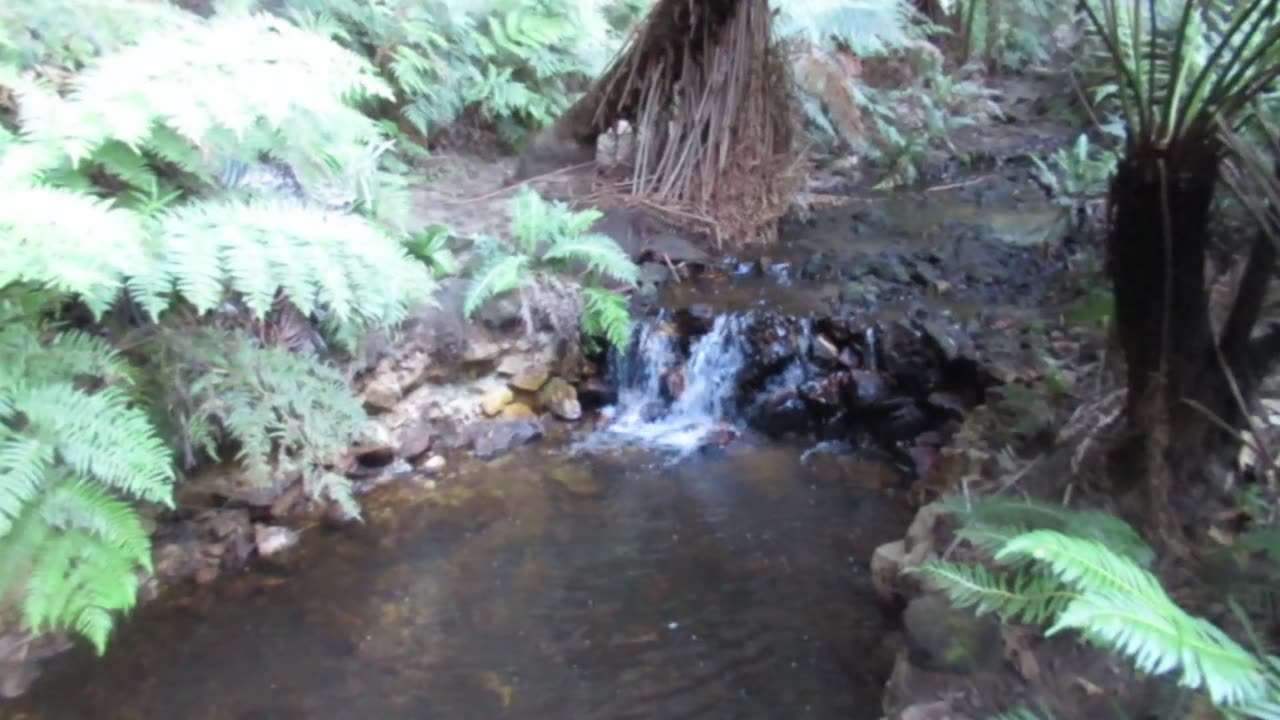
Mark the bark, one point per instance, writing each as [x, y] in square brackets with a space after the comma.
[1182, 379]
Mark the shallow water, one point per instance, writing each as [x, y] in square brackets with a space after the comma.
[542, 585]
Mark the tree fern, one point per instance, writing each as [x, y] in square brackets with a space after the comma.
[1093, 584]
[548, 238]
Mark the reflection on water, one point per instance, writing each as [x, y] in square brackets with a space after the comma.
[538, 586]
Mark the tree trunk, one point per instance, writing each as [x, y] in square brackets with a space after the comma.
[1182, 379]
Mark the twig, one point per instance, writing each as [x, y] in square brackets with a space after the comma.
[506, 188]
[962, 183]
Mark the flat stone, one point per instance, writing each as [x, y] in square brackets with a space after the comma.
[825, 349]
[414, 439]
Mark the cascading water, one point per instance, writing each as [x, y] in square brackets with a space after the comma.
[647, 413]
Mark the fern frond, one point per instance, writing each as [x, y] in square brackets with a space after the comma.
[1123, 607]
[989, 514]
[501, 274]
[600, 253]
[339, 262]
[45, 240]
[1019, 596]
[606, 313]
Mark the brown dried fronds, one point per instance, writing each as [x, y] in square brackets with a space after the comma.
[709, 100]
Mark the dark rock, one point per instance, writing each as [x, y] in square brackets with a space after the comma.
[780, 413]
[944, 639]
[491, 439]
[870, 388]
[595, 393]
[673, 384]
[695, 320]
[826, 392]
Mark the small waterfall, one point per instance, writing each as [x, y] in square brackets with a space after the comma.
[646, 413]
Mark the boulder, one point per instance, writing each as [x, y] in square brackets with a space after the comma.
[887, 564]
[943, 639]
[560, 399]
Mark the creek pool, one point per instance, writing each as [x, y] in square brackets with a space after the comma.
[546, 584]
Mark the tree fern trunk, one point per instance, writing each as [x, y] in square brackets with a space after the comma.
[1160, 207]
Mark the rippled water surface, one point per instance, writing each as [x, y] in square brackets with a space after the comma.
[619, 585]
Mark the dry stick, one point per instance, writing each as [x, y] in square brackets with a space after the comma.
[960, 184]
[508, 188]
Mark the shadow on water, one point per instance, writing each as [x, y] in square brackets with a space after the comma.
[543, 585]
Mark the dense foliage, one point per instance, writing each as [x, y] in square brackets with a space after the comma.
[121, 152]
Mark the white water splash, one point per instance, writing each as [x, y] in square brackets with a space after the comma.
[710, 378]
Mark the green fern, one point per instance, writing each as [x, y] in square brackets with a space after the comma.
[68, 459]
[1093, 584]
[75, 450]
[281, 409]
[605, 314]
[550, 239]
[69, 33]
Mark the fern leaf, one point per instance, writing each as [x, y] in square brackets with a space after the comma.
[1023, 595]
[501, 275]
[1122, 606]
[601, 253]
[606, 313]
[44, 236]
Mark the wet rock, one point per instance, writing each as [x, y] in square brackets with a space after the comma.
[772, 342]
[374, 449]
[491, 439]
[673, 384]
[228, 534]
[870, 388]
[826, 392]
[695, 320]
[273, 539]
[595, 393]
[942, 638]
[780, 413]
[887, 563]
[495, 399]
[435, 465]
[560, 399]
[414, 440]
[381, 395]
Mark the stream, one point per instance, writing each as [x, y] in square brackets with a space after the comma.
[671, 563]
